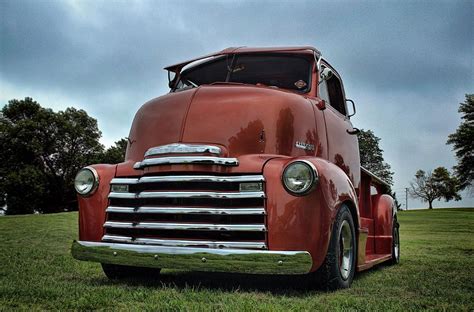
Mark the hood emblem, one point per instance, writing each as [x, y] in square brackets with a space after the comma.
[305, 146]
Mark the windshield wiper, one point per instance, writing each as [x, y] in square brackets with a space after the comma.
[227, 83]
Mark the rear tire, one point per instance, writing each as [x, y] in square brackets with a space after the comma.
[117, 272]
[338, 268]
[395, 243]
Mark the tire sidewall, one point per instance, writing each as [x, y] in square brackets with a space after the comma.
[337, 280]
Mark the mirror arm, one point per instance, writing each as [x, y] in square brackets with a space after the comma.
[172, 82]
[321, 104]
[318, 58]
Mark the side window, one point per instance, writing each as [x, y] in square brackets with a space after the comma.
[335, 94]
[323, 92]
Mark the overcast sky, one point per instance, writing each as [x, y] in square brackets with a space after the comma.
[406, 64]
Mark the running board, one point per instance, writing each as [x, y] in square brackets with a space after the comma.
[374, 259]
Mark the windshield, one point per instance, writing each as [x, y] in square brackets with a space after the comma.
[284, 71]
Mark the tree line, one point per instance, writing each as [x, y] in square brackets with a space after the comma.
[42, 151]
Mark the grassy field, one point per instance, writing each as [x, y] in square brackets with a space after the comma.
[37, 272]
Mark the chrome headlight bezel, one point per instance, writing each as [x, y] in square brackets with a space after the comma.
[94, 185]
[312, 171]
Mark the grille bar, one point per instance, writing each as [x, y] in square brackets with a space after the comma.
[187, 178]
[183, 243]
[187, 210]
[219, 195]
[185, 226]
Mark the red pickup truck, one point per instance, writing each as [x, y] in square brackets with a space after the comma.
[249, 164]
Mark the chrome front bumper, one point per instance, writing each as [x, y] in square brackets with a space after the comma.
[195, 259]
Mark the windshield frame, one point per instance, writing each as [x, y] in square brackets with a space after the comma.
[232, 60]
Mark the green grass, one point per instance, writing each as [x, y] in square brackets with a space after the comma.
[37, 272]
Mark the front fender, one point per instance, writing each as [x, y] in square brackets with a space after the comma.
[304, 222]
[92, 208]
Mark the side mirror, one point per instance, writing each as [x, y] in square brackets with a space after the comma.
[326, 74]
[171, 78]
[353, 108]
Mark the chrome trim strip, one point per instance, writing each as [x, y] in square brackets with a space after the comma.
[189, 178]
[185, 226]
[220, 195]
[124, 181]
[123, 195]
[187, 210]
[196, 259]
[180, 148]
[182, 243]
[195, 160]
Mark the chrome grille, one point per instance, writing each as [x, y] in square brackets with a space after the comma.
[207, 211]
[190, 156]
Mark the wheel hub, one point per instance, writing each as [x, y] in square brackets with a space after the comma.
[346, 250]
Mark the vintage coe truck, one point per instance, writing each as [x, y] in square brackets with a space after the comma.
[250, 164]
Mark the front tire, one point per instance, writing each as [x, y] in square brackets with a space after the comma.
[117, 272]
[338, 268]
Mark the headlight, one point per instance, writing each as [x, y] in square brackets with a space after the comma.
[300, 177]
[86, 181]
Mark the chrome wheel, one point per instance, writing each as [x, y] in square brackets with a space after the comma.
[346, 249]
[396, 244]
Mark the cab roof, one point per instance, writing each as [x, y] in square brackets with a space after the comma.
[239, 50]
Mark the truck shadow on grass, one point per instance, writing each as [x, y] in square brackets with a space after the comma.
[294, 285]
[276, 284]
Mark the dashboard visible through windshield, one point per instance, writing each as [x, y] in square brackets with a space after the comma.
[291, 72]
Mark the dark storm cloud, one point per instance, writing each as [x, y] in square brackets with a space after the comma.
[52, 44]
[92, 46]
[406, 63]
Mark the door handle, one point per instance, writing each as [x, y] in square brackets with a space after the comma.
[353, 131]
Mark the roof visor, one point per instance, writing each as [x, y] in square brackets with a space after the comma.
[239, 50]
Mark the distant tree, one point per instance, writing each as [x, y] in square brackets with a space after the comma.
[436, 185]
[3, 124]
[41, 153]
[394, 196]
[463, 143]
[371, 156]
[115, 154]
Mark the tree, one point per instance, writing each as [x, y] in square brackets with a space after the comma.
[115, 154]
[462, 141]
[431, 186]
[371, 156]
[41, 153]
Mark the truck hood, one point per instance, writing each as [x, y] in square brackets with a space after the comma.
[244, 120]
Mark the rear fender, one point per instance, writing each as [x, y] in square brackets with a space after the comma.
[384, 215]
